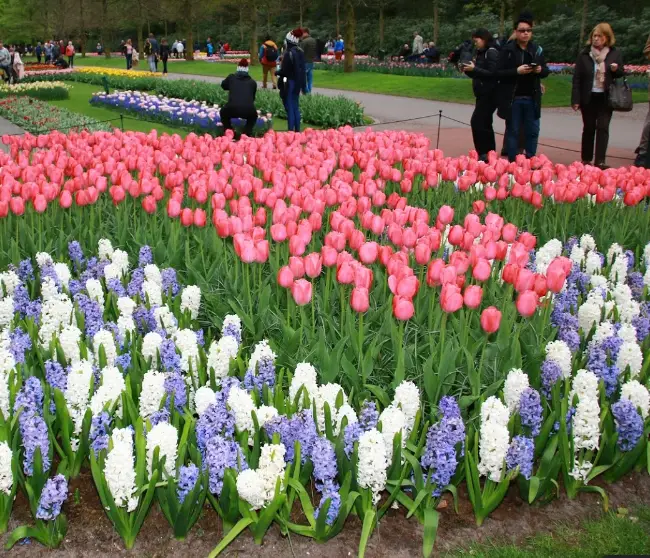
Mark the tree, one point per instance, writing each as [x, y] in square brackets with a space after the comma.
[436, 20]
[350, 32]
[583, 22]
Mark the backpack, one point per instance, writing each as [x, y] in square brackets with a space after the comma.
[270, 53]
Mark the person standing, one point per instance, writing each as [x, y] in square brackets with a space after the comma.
[292, 78]
[310, 49]
[241, 99]
[69, 52]
[128, 54]
[56, 50]
[164, 54]
[155, 51]
[643, 151]
[520, 68]
[180, 48]
[268, 55]
[596, 67]
[339, 47]
[418, 46]
[5, 61]
[39, 52]
[209, 47]
[47, 51]
[482, 72]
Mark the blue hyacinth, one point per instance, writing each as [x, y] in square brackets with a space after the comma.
[530, 410]
[54, 493]
[175, 385]
[520, 454]
[19, 343]
[629, 424]
[222, 453]
[187, 477]
[34, 435]
[145, 256]
[551, 374]
[98, 435]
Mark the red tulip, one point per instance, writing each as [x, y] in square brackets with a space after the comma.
[360, 299]
[456, 234]
[450, 298]
[472, 296]
[200, 217]
[527, 303]
[478, 207]
[4, 209]
[301, 292]
[65, 200]
[149, 204]
[313, 264]
[434, 271]
[555, 277]
[490, 319]
[285, 277]
[422, 253]
[403, 308]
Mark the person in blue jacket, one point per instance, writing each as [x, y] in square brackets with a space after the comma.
[292, 78]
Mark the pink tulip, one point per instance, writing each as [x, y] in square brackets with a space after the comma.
[490, 319]
[301, 292]
[403, 308]
[149, 204]
[297, 266]
[187, 217]
[345, 273]
[40, 203]
[450, 298]
[360, 299]
[527, 303]
[368, 252]
[261, 251]
[313, 264]
[17, 206]
[285, 277]
[329, 255]
[482, 270]
[472, 296]
[446, 214]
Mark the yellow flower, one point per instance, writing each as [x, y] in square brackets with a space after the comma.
[115, 72]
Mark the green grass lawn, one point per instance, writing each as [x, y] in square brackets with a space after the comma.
[625, 533]
[79, 101]
[458, 90]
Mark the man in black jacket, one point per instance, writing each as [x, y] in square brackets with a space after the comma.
[520, 68]
[241, 99]
[483, 75]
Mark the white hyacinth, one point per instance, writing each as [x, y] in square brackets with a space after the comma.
[125, 324]
[407, 398]
[593, 264]
[55, 312]
[621, 293]
[603, 331]
[111, 271]
[185, 340]
[638, 394]
[373, 463]
[586, 421]
[304, 375]
[165, 437]
[614, 251]
[516, 383]
[77, 393]
[104, 249]
[588, 315]
[250, 487]
[546, 254]
[165, 319]
[191, 300]
[9, 280]
[231, 323]
[151, 346]
[630, 355]
[104, 338]
[43, 259]
[63, 273]
[6, 472]
[598, 282]
[241, 404]
[393, 422]
[494, 440]
[109, 391]
[646, 255]
[120, 259]
[203, 398]
[618, 270]
[153, 391]
[220, 354]
[628, 311]
[581, 471]
[347, 412]
[119, 470]
[152, 273]
[559, 352]
[153, 293]
[627, 332]
[6, 311]
[95, 291]
[264, 414]
[587, 242]
[328, 393]
[126, 306]
[262, 351]
[577, 255]
[646, 278]
[271, 468]
[4, 381]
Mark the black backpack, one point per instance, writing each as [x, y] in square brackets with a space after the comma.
[270, 53]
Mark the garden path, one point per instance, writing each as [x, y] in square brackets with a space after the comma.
[7, 127]
[561, 127]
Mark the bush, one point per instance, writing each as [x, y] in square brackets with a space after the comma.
[44, 89]
[327, 112]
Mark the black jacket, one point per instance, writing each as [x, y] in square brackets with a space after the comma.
[241, 90]
[293, 67]
[484, 79]
[583, 75]
[164, 52]
[510, 58]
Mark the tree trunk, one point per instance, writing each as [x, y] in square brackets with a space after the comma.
[381, 24]
[104, 29]
[338, 18]
[583, 23]
[502, 19]
[221, 27]
[166, 29]
[141, 41]
[189, 49]
[300, 3]
[350, 31]
[148, 27]
[268, 21]
[253, 45]
[436, 20]
[82, 29]
[241, 22]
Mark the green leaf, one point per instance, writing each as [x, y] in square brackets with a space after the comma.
[231, 536]
[366, 531]
[431, 519]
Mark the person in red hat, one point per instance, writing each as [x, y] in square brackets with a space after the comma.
[241, 98]
[292, 78]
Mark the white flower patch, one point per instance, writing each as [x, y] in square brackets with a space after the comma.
[516, 383]
[119, 470]
[373, 462]
[191, 300]
[163, 436]
[153, 391]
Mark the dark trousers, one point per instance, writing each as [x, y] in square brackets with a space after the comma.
[164, 61]
[249, 114]
[481, 121]
[523, 116]
[129, 61]
[71, 61]
[38, 58]
[291, 102]
[596, 116]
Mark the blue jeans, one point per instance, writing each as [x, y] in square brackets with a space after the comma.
[523, 114]
[292, 105]
[152, 63]
[309, 72]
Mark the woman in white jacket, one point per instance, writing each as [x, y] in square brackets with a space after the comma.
[17, 64]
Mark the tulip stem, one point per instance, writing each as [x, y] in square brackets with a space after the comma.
[399, 370]
[342, 298]
[361, 342]
[248, 288]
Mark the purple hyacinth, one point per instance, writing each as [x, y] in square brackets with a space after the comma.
[551, 374]
[598, 363]
[232, 330]
[635, 282]
[94, 269]
[299, 428]
[530, 410]
[176, 386]
[351, 435]
[25, 270]
[24, 306]
[98, 436]
[115, 285]
[265, 375]
[220, 454]
[29, 399]
[369, 416]
[200, 337]
[440, 457]
[448, 407]
[75, 287]
[217, 420]
[57, 377]
[52, 497]
[331, 493]
[520, 454]
[19, 343]
[34, 434]
[145, 320]
[187, 477]
[135, 285]
[642, 326]
[169, 357]
[571, 337]
[48, 272]
[325, 466]
[76, 254]
[169, 282]
[124, 362]
[629, 424]
[93, 314]
[158, 417]
[630, 259]
[570, 244]
[145, 257]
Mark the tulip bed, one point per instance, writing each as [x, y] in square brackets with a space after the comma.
[193, 115]
[44, 90]
[485, 324]
[393, 67]
[38, 117]
[319, 110]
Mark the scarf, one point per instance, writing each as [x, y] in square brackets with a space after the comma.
[599, 56]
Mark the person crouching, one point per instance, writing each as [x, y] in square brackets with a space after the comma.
[241, 98]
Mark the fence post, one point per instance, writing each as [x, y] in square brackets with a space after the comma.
[122, 122]
[439, 122]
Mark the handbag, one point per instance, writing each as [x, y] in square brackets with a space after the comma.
[620, 96]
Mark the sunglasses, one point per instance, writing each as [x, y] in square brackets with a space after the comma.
[527, 30]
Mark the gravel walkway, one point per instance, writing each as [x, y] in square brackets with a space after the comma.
[7, 127]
